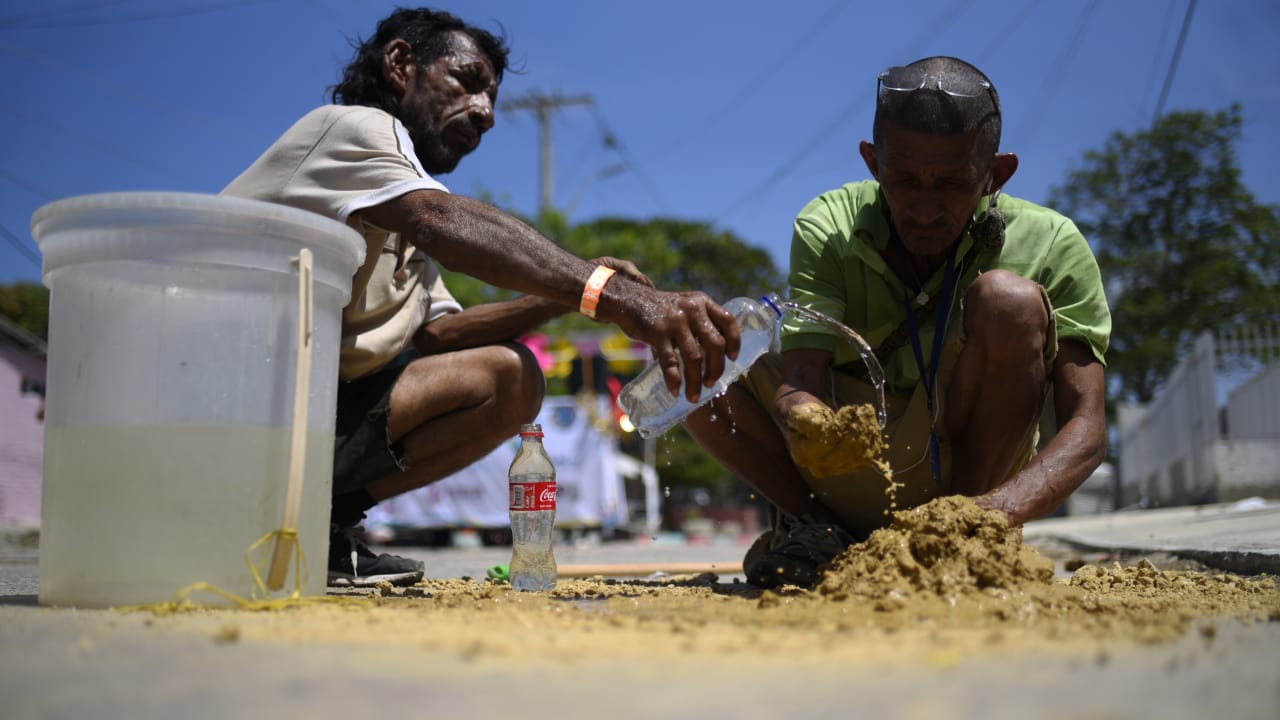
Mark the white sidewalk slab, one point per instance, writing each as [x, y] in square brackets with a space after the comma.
[1241, 537]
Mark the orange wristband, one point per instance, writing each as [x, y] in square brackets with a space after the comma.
[591, 293]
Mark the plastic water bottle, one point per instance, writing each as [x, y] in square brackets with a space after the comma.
[532, 484]
[653, 410]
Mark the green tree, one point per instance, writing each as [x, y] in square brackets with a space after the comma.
[27, 304]
[1182, 245]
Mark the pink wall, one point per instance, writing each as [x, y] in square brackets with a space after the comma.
[21, 438]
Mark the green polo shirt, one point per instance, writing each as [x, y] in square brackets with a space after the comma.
[837, 269]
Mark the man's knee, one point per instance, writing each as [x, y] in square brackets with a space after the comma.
[519, 373]
[1003, 306]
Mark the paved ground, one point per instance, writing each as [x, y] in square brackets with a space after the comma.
[57, 663]
[1241, 537]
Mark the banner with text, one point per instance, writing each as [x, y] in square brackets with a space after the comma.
[589, 491]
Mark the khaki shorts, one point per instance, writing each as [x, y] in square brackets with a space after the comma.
[861, 499]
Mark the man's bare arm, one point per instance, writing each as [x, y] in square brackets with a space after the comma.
[472, 237]
[477, 239]
[806, 378]
[485, 324]
[504, 320]
[1077, 449]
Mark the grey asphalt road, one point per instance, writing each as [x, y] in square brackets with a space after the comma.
[67, 663]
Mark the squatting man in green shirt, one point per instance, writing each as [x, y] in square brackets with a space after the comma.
[978, 305]
[425, 386]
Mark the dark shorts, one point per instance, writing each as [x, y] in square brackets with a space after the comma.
[362, 447]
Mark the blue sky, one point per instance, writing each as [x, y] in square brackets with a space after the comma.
[735, 113]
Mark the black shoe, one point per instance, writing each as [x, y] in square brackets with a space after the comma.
[352, 563]
[795, 556]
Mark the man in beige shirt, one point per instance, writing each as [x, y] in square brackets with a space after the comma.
[428, 387]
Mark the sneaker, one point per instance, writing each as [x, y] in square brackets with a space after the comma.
[794, 556]
[352, 563]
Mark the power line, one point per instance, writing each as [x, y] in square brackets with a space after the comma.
[603, 173]
[113, 88]
[49, 13]
[27, 185]
[98, 144]
[846, 113]
[1149, 85]
[1173, 64]
[333, 15]
[575, 167]
[18, 245]
[543, 106]
[755, 83]
[64, 23]
[1009, 30]
[1052, 84]
[616, 144]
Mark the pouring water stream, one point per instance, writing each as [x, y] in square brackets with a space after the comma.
[654, 409]
[875, 373]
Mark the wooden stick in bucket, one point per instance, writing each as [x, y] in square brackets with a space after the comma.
[285, 541]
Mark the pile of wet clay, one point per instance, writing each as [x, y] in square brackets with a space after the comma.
[951, 558]
[948, 547]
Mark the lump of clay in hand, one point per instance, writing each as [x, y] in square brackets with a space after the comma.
[828, 443]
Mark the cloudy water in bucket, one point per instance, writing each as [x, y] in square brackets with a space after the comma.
[874, 372]
[144, 511]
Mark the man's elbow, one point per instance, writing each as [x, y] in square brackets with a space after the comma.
[426, 213]
[1094, 445]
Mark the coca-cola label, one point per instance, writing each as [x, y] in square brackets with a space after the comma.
[533, 496]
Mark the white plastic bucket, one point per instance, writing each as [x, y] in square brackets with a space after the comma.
[172, 356]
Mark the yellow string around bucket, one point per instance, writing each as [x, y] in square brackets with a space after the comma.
[261, 600]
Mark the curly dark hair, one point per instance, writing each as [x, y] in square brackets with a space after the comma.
[430, 33]
[937, 113]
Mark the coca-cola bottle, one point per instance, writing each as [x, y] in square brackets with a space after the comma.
[532, 482]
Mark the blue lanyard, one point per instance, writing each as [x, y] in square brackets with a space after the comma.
[929, 375]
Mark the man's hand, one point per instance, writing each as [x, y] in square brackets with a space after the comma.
[806, 430]
[690, 335]
[829, 443]
[625, 268]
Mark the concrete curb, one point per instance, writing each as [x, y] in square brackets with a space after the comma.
[1241, 537]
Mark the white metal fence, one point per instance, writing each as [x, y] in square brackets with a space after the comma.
[1253, 408]
[1185, 448]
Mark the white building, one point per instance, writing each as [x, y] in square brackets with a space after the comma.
[22, 382]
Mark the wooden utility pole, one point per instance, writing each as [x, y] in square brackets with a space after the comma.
[543, 106]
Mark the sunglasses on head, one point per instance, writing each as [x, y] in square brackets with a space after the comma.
[903, 79]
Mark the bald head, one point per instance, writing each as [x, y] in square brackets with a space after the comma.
[939, 96]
